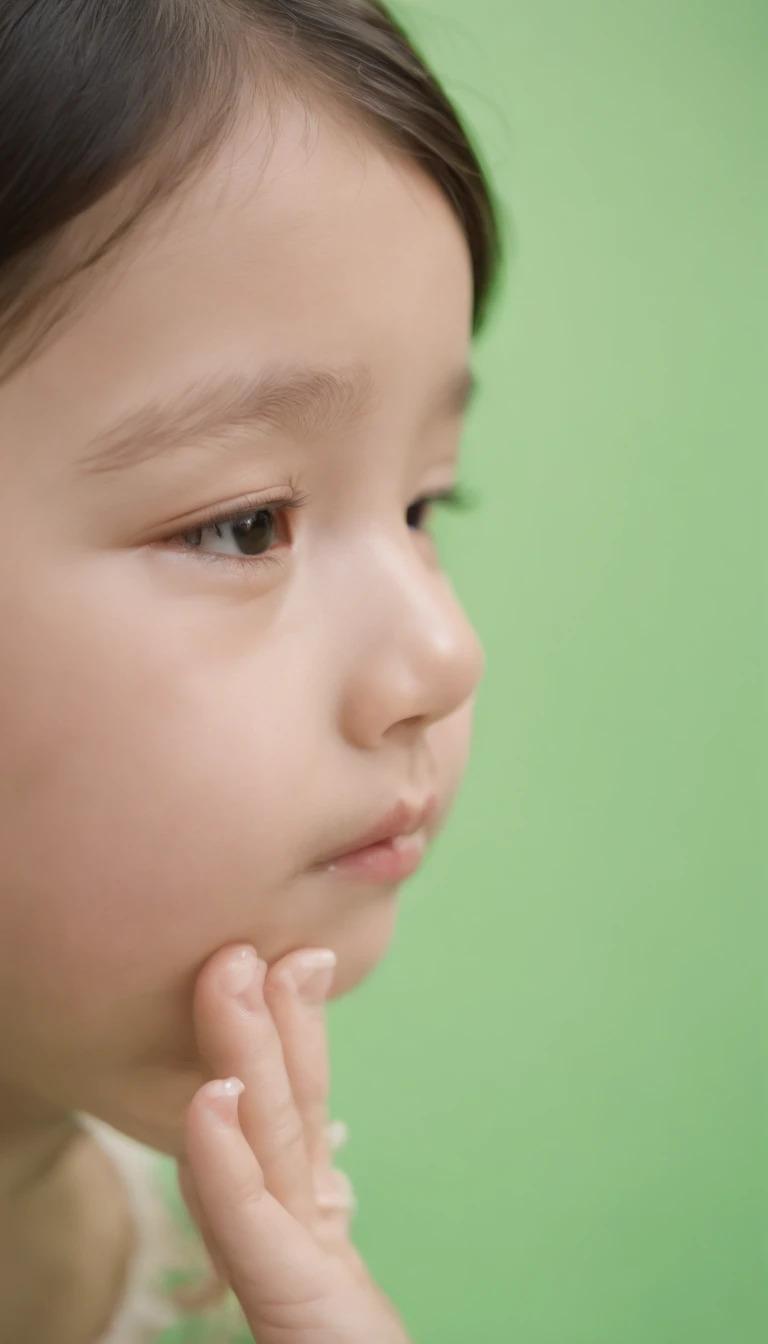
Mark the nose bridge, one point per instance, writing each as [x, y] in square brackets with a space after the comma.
[414, 653]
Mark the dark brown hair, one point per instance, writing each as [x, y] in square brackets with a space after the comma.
[122, 100]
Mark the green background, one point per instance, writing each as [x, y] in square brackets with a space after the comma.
[555, 1083]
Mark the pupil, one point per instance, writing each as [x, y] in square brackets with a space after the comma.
[255, 533]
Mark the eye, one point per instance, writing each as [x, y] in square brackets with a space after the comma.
[240, 538]
[251, 534]
[418, 513]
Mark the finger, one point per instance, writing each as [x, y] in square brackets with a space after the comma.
[192, 1200]
[334, 1190]
[269, 1256]
[237, 1036]
[336, 1200]
[336, 1205]
[296, 989]
[338, 1135]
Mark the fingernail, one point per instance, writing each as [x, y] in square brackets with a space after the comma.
[221, 1100]
[312, 974]
[242, 976]
[333, 1189]
[338, 1135]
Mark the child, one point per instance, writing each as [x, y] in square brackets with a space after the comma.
[244, 248]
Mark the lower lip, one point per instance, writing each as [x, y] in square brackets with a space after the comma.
[390, 861]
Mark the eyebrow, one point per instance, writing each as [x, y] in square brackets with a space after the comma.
[302, 400]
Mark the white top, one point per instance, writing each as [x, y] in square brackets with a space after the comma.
[172, 1294]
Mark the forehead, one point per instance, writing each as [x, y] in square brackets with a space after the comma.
[302, 241]
[311, 227]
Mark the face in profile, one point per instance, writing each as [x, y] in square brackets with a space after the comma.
[234, 651]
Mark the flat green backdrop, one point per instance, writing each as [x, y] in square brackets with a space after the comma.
[555, 1083]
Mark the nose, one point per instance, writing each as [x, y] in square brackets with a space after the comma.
[413, 656]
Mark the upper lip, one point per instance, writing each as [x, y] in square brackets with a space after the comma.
[403, 819]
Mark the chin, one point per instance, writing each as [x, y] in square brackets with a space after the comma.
[153, 1112]
[349, 977]
[361, 947]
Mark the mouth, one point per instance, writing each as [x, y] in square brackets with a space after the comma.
[390, 851]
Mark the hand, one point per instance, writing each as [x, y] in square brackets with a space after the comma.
[258, 1179]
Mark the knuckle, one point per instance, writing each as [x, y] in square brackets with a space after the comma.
[249, 1190]
[306, 1314]
[287, 1131]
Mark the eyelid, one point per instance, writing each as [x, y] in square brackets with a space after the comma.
[238, 564]
[277, 499]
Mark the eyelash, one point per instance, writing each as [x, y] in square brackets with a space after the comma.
[456, 498]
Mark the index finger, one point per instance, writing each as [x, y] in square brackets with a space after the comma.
[296, 989]
[237, 1036]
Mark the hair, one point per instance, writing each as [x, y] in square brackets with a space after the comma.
[118, 103]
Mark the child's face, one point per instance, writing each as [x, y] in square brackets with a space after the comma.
[182, 739]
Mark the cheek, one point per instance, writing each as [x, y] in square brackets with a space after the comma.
[155, 795]
[149, 804]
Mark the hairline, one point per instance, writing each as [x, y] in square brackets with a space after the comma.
[171, 168]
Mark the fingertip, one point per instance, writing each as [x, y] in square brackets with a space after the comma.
[333, 1189]
[220, 1101]
[337, 1134]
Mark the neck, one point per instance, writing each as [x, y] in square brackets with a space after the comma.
[65, 1229]
[35, 1140]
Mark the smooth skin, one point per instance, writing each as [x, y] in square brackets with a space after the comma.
[187, 730]
[258, 1176]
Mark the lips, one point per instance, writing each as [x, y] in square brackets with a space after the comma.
[401, 820]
